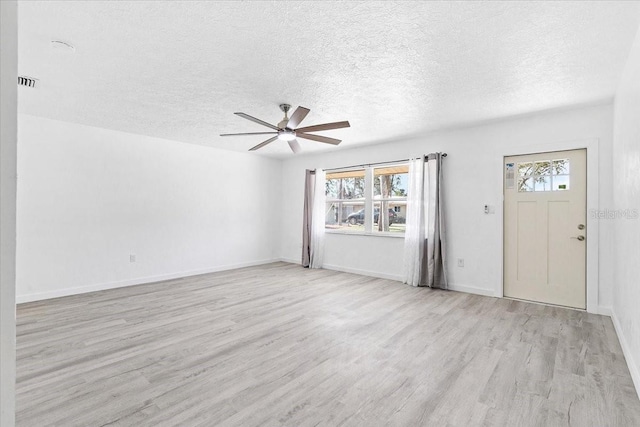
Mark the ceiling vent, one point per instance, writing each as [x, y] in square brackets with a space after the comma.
[27, 81]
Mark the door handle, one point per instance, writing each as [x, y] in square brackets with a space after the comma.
[581, 238]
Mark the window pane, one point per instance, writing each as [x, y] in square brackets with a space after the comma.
[561, 167]
[542, 183]
[560, 182]
[542, 168]
[332, 186]
[331, 215]
[352, 188]
[344, 215]
[525, 169]
[390, 221]
[345, 185]
[391, 181]
[525, 184]
[399, 222]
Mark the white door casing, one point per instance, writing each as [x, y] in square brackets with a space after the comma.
[544, 206]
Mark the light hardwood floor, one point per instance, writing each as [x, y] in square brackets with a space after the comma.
[282, 345]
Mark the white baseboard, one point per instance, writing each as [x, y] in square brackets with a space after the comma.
[291, 261]
[605, 311]
[132, 282]
[472, 290]
[631, 363]
[455, 288]
[377, 274]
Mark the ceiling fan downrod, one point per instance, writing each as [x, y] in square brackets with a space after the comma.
[285, 108]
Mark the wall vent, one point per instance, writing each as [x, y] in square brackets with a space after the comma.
[27, 81]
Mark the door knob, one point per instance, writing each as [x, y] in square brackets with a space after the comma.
[581, 238]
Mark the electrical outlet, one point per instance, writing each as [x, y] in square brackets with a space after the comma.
[132, 258]
[460, 262]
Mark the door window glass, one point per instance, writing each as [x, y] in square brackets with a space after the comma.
[544, 175]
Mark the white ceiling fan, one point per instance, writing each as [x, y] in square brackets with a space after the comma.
[287, 129]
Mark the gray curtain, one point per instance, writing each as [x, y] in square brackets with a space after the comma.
[436, 270]
[309, 185]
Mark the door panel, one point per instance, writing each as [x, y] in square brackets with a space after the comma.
[544, 203]
[527, 232]
[557, 242]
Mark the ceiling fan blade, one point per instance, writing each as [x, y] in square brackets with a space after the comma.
[249, 133]
[318, 138]
[262, 144]
[253, 119]
[294, 145]
[325, 126]
[297, 117]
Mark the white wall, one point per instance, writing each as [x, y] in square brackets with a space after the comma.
[473, 178]
[8, 139]
[89, 197]
[626, 194]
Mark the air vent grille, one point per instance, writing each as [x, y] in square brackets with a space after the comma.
[27, 81]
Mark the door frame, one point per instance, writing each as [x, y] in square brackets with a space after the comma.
[593, 230]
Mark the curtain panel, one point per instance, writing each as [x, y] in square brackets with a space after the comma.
[436, 253]
[309, 188]
[424, 245]
[414, 235]
[318, 221]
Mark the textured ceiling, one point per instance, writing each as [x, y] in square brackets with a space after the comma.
[178, 70]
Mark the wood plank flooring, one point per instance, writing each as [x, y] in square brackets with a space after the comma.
[281, 345]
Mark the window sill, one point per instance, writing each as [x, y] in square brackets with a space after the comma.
[363, 233]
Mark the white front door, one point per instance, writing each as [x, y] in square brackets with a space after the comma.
[545, 227]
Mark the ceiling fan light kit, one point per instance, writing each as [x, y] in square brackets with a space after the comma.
[288, 130]
[286, 135]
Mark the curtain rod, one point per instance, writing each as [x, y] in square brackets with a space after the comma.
[377, 163]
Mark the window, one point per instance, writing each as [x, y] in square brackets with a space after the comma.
[367, 200]
[545, 175]
[345, 200]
